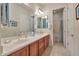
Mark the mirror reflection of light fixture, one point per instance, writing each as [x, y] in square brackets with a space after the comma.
[27, 4]
[39, 12]
[44, 17]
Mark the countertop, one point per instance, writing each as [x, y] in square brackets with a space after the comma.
[8, 49]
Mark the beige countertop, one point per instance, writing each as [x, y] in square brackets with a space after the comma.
[8, 49]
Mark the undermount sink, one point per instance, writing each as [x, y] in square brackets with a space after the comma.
[19, 41]
[8, 40]
[22, 40]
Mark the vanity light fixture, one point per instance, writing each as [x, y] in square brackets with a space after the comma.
[39, 12]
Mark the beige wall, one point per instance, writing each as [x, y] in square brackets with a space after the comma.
[73, 28]
[20, 14]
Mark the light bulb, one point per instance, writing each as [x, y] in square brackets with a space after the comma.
[41, 12]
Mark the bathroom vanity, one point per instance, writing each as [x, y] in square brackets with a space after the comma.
[31, 46]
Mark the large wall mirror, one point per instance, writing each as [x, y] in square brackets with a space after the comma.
[5, 21]
[4, 14]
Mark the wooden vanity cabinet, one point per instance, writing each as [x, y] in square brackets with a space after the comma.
[34, 49]
[27, 51]
[22, 52]
[41, 46]
[46, 41]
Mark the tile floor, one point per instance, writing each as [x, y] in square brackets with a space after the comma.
[56, 50]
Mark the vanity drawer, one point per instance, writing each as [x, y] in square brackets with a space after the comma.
[41, 46]
[46, 41]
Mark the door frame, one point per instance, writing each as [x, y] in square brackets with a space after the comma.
[60, 21]
[65, 25]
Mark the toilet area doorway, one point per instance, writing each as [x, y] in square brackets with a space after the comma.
[58, 26]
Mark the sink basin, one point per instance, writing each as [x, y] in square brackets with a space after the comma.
[22, 41]
[8, 40]
[19, 41]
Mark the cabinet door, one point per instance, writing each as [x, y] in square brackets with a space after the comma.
[41, 46]
[27, 51]
[22, 52]
[34, 49]
[17, 53]
[46, 41]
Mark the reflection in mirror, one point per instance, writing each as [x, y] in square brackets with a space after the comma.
[4, 14]
[45, 23]
[19, 20]
[39, 22]
[42, 22]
